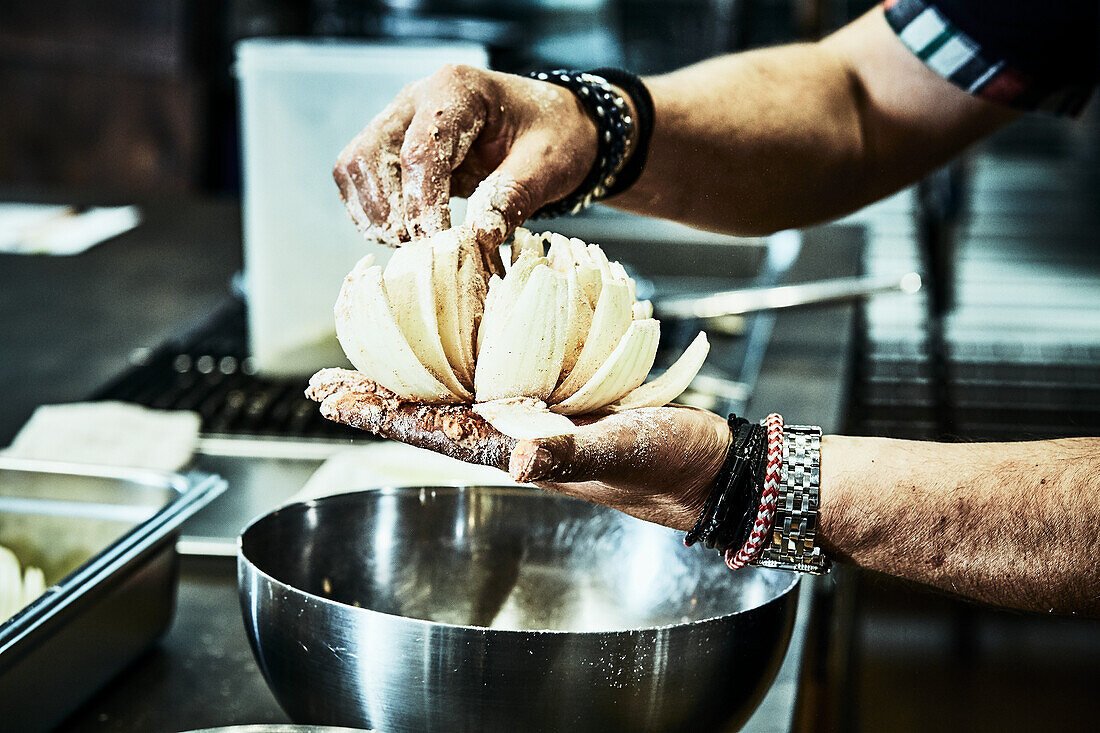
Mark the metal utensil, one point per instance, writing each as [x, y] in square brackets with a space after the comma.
[105, 538]
[736, 302]
[361, 611]
[279, 728]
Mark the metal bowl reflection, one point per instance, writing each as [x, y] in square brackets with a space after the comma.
[503, 609]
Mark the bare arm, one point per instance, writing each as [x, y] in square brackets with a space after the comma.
[747, 143]
[1012, 524]
[794, 135]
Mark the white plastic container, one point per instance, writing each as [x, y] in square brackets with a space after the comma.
[302, 101]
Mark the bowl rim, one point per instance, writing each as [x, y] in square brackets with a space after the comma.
[305, 504]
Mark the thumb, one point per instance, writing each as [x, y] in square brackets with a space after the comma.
[496, 207]
[508, 196]
[554, 459]
[613, 448]
[657, 448]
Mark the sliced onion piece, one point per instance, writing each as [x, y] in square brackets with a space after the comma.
[524, 241]
[34, 584]
[503, 294]
[641, 310]
[558, 255]
[619, 273]
[445, 289]
[471, 308]
[591, 281]
[523, 356]
[596, 255]
[373, 342]
[459, 290]
[524, 419]
[11, 585]
[579, 323]
[673, 382]
[624, 370]
[579, 250]
[560, 240]
[610, 321]
[408, 283]
[351, 329]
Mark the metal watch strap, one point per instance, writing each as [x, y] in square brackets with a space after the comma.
[792, 542]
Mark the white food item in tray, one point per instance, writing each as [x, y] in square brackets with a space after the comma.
[18, 586]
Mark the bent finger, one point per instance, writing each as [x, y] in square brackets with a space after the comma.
[436, 142]
[525, 181]
[368, 172]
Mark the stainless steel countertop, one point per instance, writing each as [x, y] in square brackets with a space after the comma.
[66, 332]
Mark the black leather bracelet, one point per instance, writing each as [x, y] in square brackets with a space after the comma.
[644, 120]
[740, 524]
[614, 125]
[727, 514]
[704, 525]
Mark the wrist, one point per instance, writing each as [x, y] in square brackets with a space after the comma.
[710, 463]
[632, 110]
[609, 113]
[622, 109]
[640, 109]
[840, 511]
[726, 515]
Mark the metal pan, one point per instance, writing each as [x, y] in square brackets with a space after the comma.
[105, 538]
[503, 609]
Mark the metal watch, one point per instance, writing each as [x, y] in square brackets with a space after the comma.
[791, 545]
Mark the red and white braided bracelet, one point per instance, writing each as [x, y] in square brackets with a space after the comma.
[765, 513]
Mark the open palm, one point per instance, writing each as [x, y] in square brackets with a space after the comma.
[654, 463]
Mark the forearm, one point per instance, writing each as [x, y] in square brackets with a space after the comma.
[789, 136]
[1013, 524]
[750, 142]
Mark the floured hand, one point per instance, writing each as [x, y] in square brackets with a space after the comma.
[509, 143]
[656, 463]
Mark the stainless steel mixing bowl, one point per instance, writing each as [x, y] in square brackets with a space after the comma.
[503, 609]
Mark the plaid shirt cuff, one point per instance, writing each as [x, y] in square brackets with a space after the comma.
[960, 59]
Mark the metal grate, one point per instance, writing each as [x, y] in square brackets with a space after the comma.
[209, 372]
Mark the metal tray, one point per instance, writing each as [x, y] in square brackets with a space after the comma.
[105, 539]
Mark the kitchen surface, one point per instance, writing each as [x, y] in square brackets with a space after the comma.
[205, 654]
[171, 244]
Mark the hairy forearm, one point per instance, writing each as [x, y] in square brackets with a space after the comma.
[1012, 524]
[794, 135]
[751, 142]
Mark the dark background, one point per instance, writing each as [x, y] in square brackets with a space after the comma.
[131, 95]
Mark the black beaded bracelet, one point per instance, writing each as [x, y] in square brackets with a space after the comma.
[727, 515]
[614, 125]
[644, 120]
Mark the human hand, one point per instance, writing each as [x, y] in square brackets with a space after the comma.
[509, 143]
[654, 463]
